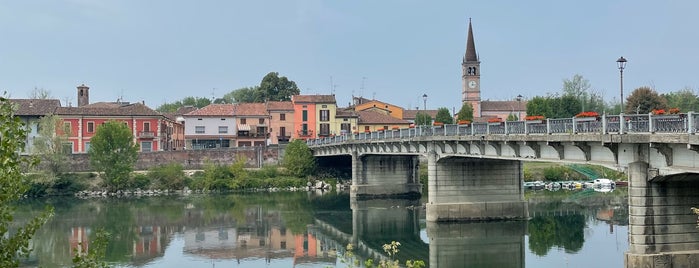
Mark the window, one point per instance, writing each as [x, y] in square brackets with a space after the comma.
[199, 119]
[324, 115]
[243, 121]
[366, 129]
[304, 115]
[282, 117]
[262, 121]
[223, 119]
[146, 146]
[345, 128]
[222, 129]
[324, 106]
[199, 129]
[385, 127]
[67, 147]
[282, 131]
[67, 128]
[87, 146]
[90, 127]
[324, 130]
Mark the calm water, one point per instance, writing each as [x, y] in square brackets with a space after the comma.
[566, 229]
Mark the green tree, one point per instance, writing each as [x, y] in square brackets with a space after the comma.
[686, 100]
[13, 184]
[643, 100]
[512, 117]
[444, 116]
[423, 119]
[113, 152]
[187, 101]
[245, 94]
[539, 106]
[466, 112]
[298, 159]
[276, 88]
[577, 87]
[40, 93]
[48, 145]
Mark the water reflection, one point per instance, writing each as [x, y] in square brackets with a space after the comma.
[300, 229]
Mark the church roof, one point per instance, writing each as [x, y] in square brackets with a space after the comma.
[503, 106]
[470, 45]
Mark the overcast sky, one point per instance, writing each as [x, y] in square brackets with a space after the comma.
[161, 51]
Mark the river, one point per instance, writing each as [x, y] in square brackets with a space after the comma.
[304, 229]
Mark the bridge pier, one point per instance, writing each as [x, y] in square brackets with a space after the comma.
[385, 176]
[474, 189]
[662, 228]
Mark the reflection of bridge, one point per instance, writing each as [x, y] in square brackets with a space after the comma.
[475, 171]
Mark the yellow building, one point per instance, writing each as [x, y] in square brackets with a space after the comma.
[373, 121]
[362, 104]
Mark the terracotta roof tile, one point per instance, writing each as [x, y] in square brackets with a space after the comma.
[109, 109]
[346, 112]
[314, 98]
[280, 106]
[503, 105]
[36, 107]
[369, 117]
[410, 114]
[250, 109]
[213, 110]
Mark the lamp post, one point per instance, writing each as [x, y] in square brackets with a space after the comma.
[424, 102]
[519, 108]
[621, 63]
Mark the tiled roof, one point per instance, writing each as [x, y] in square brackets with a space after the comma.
[250, 109]
[369, 117]
[280, 106]
[410, 114]
[503, 106]
[109, 109]
[314, 98]
[185, 110]
[36, 107]
[346, 112]
[213, 110]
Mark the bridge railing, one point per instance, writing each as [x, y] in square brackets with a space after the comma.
[632, 123]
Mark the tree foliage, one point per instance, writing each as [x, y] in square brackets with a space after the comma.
[113, 152]
[245, 94]
[276, 88]
[13, 184]
[423, 119]
[466, 112]
[187, 101]
[298, 159]
[554, 106]
[444, 116]
[685, 99]
[48, 145]
[40, 93]
[643, 100]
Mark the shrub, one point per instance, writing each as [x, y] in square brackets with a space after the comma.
[140, 181]
[169, 176]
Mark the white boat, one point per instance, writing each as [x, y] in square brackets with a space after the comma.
[603, 183]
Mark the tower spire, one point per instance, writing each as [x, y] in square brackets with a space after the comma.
[470, 45]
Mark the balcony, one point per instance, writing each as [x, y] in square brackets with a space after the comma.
[283, 138]
[146, 135]
[305, 133]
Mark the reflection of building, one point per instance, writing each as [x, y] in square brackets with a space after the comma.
[79, 240]
[148, 243]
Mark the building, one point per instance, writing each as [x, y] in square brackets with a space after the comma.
[253, 124]
[281, 121]
[373, 121]
[314, 116]
[30, 111]
[347, 120]
[210, 127]
[471, 88]
[362, 104]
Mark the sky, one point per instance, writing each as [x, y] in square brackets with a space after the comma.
[395, 51]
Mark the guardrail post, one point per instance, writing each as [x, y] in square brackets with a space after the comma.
[575, 127]
[690, 123]
[548, 126]
[604, 123]
[651, 127]
[622, 122]
[526, 128]
[473, 132]
[506, 130]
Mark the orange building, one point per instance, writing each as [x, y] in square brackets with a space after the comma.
[314, 115]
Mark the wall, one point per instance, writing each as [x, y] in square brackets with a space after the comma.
[195, 159]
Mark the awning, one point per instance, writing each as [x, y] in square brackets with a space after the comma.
[243, 127]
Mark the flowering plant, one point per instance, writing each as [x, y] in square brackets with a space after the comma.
[438, 124]
[587, 114]
[464, 122]
[658, 111]
[495, 120]
[534, 117]
[674, 111]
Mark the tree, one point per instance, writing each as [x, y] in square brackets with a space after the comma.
[187, 101]
[444, 116]
[466, 112]
[512, 117]
[685, 100]
[643, 100]
[423, 119]
[245, 94]
[298, 159]
[113, 152]
[576, 87]
[276, 88]
[40, 93]
[13, 185]
[48, 145]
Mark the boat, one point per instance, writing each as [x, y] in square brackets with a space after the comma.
[603, 183]
[533, 185]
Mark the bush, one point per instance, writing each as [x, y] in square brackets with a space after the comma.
[170, 176]
[561, 173]
[140, 181]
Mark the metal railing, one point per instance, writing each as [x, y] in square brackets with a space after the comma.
[605, 124]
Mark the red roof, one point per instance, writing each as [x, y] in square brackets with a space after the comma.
[213, 110]
[369, 117]
[250, 109]
[280, 106]
[313, 98]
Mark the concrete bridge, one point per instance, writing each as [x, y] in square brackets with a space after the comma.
[475, 170]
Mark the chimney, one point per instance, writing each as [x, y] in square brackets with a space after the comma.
[83, 95]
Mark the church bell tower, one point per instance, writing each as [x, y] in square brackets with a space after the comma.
[471, 76]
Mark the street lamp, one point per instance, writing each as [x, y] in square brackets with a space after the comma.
[621, 63]
[424, 101]
[519, 106]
